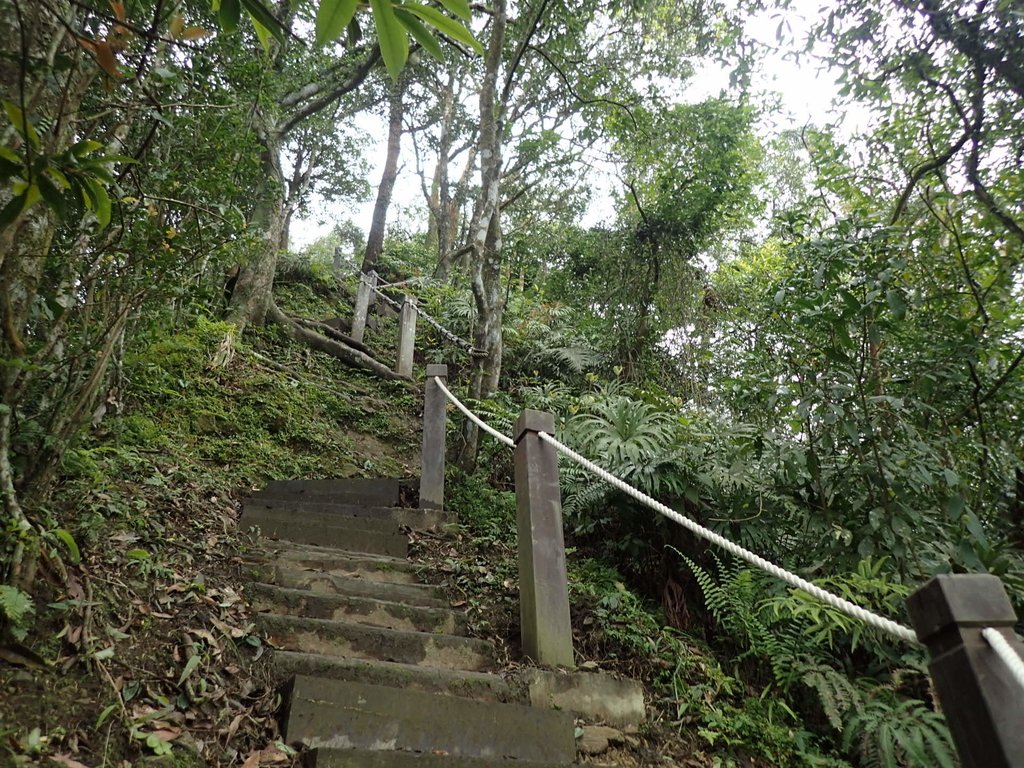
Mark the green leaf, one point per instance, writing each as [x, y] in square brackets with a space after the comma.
[85, 147]
[137, 554]
[229, 12]
[52, 196]
[332, 17]
[420, 33]
[394, 42]
[261, 15]
[445, 24]
[12, 209]
[70, 543]
[459, 7]
[896, 303]
[10, 164]
[105, 714]
[190, 667]
[21, 124]
[98, 201]
[263, 34]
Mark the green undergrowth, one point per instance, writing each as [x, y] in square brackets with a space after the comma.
[137, 641]
[703, 707]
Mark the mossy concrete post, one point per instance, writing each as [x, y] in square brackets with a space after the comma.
[983, 704]
[406, 336]
[543, 585]
[364, 297]
[435, 416]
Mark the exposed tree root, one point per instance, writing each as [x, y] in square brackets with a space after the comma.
[338, 349]
[333, 333]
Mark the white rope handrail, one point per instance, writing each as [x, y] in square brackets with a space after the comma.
[473, 417]
[851, 609]
[1005, 651]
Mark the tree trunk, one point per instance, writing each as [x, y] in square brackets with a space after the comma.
[375, 240]
[485, 269]
[253, 291]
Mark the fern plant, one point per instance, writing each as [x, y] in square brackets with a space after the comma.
[879, 727]
[16, 609]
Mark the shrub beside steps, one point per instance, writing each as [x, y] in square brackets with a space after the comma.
[377, 669]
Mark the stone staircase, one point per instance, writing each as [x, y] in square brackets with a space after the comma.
[376, 668]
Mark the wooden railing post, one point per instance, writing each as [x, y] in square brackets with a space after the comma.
[435, 408]
[406, 337]
[364, 295]
[983, 705]
[543, 585]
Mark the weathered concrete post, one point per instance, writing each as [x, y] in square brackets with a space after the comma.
[364, 297]
[406, 336]
[983, 705]
[435, 408]
[543, 585]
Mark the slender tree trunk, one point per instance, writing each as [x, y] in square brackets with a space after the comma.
[253, 291]
[375, 240]
[442, 215]
[485, 269]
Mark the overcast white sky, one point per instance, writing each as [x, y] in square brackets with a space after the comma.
[805, 93]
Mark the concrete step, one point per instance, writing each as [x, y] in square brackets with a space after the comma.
[316, 513]
[457, 682]
[371, 537]
[337, 562]
[357, 641]
[349, 715]
[363, 610]
[380, 492]
[359, 758]
[328, 584]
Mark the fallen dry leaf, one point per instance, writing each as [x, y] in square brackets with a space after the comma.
[67, 760]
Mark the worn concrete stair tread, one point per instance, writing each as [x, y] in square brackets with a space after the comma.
[383, 539]
[364, 610]
[361, 758]
[380, 568]
[358, 641]
[330, 584]
[319, 513]
[376, 491]
[351, 715]
[458, 682]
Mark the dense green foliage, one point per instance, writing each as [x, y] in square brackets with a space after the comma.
[810, 342]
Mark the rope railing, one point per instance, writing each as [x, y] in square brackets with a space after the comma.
[965, 621]
[504, 439]
[1006, 654]
[851, 609]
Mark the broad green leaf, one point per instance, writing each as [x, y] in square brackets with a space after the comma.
[10, 164]
[21, 124]
[229, 12]
[459, 7]
[394, 42]
[420, 33]
[52, 196]
[70, 543]
[261, 15]
[263, 34]
[98, 201]
[12, 209]
[332, 17]
[444, 24]
[85, 147]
